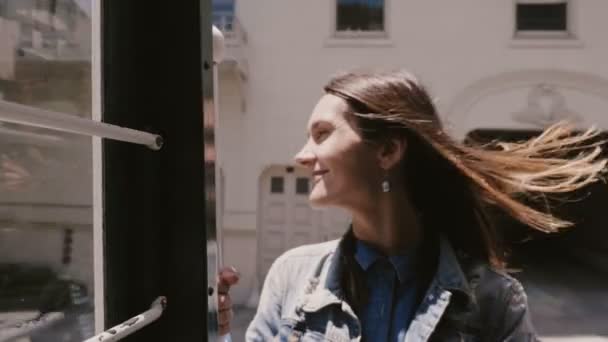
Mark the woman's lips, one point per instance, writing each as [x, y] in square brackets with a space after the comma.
[318, 174]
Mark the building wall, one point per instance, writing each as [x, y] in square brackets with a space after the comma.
[457, 48]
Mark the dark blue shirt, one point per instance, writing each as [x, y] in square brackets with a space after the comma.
[392, 293]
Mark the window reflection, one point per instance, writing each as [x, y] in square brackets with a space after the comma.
[46, 235]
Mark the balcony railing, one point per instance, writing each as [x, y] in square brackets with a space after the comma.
[235, 39]
[223, 20]
[231, 27]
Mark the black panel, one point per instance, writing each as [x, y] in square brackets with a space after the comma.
[154, 237]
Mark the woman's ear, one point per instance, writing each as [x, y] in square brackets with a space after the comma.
[391, 152]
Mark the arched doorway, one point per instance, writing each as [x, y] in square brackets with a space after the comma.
[285, 218]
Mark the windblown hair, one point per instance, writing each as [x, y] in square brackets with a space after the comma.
[452, 184]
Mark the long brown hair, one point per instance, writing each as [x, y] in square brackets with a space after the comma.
[453, 184]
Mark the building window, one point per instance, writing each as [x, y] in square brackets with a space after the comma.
[302, 186]
[360, 16]
[545, 17]
[223, 14]
[277, 185]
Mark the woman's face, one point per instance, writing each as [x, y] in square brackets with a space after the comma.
[345, 169]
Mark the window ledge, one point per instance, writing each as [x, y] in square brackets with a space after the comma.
[545, 42]
[359, 41]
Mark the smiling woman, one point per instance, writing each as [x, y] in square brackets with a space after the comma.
[336, 155]
[420, 260]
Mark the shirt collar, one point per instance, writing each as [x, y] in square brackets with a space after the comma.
[449, 274]
[403, 264]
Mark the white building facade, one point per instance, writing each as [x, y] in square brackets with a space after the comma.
[500, 64]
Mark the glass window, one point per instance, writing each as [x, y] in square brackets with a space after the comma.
[46, 230]
[277, 185]
[302, 186]
[360, 15]
[549, 17]
[223, 14]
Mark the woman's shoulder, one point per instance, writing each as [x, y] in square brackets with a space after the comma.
[304, 252]
[488, 281]
[501, 302]
[497, 293]
[502, 281]
[301, 258]
[299, 264]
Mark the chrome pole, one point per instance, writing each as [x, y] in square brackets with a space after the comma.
[31, 116]
[132, 325]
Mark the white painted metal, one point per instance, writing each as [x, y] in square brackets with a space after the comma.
[210, 118]
[132, 325]
[98, 255]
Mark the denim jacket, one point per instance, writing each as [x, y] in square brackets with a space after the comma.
[302, 301]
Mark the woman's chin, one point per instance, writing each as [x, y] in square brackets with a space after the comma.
[318, 199]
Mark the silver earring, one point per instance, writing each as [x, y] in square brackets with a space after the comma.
[386, 186]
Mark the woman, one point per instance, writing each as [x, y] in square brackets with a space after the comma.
[420, 260]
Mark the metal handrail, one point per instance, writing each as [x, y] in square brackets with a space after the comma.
[32, 116]
[132, 325]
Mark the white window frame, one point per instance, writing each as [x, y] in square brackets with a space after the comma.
[547, 39]
[96, 98]
[358, 34]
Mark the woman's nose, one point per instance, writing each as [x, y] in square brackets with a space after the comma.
[305, 158]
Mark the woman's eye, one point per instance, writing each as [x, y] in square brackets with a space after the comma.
[320, 135]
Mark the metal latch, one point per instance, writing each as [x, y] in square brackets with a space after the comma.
[132, 325]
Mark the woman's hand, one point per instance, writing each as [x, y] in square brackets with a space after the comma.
[228, 276]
